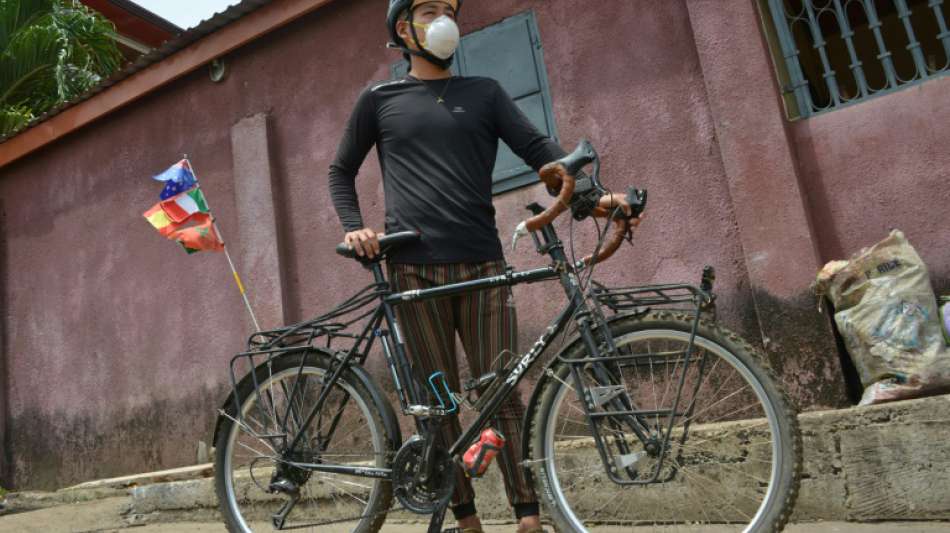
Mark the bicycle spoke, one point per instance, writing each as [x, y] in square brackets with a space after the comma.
[716, 467]
[670, 380]
[724, 500]
[255, 452]
[349, 439]
[656, 400]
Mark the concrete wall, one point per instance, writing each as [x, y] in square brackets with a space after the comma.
[117, 343]
[5, 448]
[878, 165]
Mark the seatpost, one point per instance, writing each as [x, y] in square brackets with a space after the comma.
[377, 269]
[399, 364]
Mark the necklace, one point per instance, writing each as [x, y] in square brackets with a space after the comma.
[438, 97]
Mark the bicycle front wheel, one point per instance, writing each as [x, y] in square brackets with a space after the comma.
[725, 456]
[348, 430]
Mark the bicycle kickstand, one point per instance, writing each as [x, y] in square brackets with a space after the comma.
[435, 525]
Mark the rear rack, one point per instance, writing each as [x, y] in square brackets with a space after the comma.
[333, 323]
[318, 333]
[642, 299]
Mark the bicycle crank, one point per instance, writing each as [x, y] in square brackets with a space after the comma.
[417, 492]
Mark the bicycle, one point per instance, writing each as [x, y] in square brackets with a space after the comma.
[649, 403]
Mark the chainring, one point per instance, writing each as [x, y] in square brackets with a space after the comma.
[422, 498]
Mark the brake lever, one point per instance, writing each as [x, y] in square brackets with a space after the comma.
[637, 199]
[520, 231]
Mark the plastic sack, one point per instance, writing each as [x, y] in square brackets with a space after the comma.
[887, 313]
[943, 303]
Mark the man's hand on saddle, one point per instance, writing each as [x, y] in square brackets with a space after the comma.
[365, 241]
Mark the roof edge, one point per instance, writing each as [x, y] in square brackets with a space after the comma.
[147, 15]
[193, 56]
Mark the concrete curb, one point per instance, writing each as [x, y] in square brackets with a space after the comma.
[19, 502]
[162, 476]
[884, 462]
[881, 462]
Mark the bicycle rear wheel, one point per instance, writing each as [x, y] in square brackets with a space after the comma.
[732, 459]
[348, 430]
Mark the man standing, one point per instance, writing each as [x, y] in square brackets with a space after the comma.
[437, 138]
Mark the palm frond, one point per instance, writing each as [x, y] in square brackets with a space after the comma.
[27, 64]
[51, 51]
[13, 118]
[18, 14]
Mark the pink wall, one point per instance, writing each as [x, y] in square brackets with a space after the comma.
[878, 165]
[116, 343]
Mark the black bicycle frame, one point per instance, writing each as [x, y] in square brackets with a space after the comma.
[383, 324]
[398, 361]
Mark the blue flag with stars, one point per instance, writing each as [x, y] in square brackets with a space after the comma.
[178, 179]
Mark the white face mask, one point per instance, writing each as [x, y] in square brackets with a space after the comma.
[442, 37]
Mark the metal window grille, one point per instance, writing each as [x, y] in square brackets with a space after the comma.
[831, 53]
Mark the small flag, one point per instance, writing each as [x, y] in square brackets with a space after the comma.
[178, 178]
[185, 218]
[157, 218]
[201, 236]
[193, 238]
[179, 208]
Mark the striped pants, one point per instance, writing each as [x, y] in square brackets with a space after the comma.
[486, 324]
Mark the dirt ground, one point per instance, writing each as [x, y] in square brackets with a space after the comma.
[107, 516]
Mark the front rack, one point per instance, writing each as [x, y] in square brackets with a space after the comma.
[642, 299]
[607, 397]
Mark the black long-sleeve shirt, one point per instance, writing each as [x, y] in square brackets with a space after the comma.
[437, 161]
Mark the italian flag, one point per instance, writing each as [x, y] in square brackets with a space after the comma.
[178, 208]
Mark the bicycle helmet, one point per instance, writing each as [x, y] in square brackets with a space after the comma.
[396, 10]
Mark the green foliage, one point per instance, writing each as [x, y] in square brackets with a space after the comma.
[51, 51]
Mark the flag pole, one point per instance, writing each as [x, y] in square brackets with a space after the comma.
[214, 223]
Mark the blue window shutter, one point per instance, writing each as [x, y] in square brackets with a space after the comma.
[510, 52]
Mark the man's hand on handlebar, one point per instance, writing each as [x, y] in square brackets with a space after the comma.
[365, 241]
[591, 199]
[610, 203]
[631, 204]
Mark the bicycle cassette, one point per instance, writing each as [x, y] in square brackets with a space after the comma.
[422, 497]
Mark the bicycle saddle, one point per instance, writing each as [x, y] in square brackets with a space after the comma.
[387, 243]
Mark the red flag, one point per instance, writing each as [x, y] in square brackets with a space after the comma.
[200, 236]
[160, 220]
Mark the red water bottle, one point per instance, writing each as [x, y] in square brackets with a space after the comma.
[480, 454]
